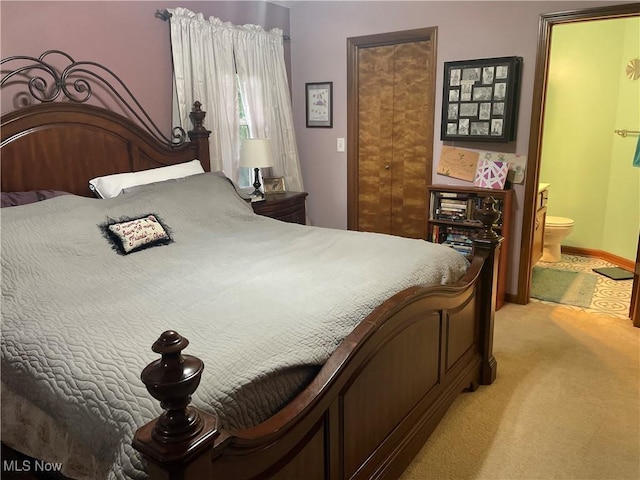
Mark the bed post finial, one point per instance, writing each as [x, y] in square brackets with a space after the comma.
[487, 245]
[182, 432]
[200, 135]
[172, 380]
[197, 117]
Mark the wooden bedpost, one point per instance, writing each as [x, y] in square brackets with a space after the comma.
[487, 244]
[178, 440]
[200, 135]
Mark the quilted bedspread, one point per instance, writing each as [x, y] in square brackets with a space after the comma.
[263, 303]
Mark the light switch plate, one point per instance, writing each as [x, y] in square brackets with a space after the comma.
[341, 144]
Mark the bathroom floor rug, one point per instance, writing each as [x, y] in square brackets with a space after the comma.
[615, 273]
[562, 286]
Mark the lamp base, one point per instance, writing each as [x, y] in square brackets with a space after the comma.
[256, 184]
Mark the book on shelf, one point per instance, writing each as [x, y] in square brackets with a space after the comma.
[457, 238]
[454, 203]
[466, 250]
[460, 207]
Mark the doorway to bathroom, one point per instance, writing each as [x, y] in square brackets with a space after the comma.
[565, 125]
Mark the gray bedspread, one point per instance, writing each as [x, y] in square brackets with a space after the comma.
[263, 303]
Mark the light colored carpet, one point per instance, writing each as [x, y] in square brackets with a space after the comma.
[565, 404]
[563, 286]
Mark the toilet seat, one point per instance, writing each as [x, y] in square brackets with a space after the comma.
[551, 221]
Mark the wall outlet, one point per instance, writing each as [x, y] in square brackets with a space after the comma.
[341, 144]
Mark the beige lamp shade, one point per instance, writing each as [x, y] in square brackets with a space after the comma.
[256, 153]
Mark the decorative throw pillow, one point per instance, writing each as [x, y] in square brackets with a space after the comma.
[111, 186]
[132, 234]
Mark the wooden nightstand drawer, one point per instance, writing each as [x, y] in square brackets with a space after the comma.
[287, 206]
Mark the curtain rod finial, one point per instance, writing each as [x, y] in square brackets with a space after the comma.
[163, 15]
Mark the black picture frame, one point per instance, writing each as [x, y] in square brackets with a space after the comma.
[319, 104]
[480, 100]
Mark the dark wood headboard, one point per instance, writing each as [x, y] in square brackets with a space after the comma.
[61, 145]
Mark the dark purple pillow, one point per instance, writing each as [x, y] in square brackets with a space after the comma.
[13, 199]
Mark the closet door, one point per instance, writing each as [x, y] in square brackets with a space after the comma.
[392, 122]
[409, 176]
[375, 138]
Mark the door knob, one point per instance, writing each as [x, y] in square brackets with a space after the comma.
[387, 167]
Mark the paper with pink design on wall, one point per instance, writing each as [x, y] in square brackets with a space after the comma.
[517, 164]
[491, 174]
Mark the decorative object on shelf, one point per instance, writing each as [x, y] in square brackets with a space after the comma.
[274, 185]
[488, 215]
[633, 69]
[319, 100]
[480, 100]
[491, 174]
[458, 163]
[256, 153]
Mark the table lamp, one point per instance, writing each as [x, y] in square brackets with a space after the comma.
[256, 153]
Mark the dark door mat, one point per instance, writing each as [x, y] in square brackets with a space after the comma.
[615, 273]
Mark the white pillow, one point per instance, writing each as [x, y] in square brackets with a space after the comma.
[111, 186]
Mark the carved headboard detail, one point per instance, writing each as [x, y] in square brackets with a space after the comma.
[56, 140]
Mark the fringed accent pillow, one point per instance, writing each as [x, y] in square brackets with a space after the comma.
[129, 235]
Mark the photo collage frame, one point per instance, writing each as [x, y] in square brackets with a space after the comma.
[480, 99]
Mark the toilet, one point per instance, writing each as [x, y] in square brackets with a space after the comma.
[555, 231]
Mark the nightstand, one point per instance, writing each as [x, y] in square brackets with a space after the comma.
[286, 206]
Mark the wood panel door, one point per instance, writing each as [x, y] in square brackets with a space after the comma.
[390, 113]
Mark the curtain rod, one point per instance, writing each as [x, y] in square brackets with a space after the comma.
[165, 15]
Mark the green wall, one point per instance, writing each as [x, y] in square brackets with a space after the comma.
[588, 166]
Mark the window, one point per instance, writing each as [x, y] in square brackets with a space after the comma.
[244, 174]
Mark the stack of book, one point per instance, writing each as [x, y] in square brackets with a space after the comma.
[458, 239]
[454, 209]
[460, 208]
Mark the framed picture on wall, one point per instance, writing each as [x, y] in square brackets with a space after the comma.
[480, 100]
[319, 100]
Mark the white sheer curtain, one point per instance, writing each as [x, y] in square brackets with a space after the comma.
[265, 92]
[207, 55]
[204, 70]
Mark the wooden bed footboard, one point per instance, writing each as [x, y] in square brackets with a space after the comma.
[368, 411]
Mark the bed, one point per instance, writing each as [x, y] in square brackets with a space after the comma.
[324, 356]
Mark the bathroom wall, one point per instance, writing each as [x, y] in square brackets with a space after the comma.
[588, 166]
[622, 224]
